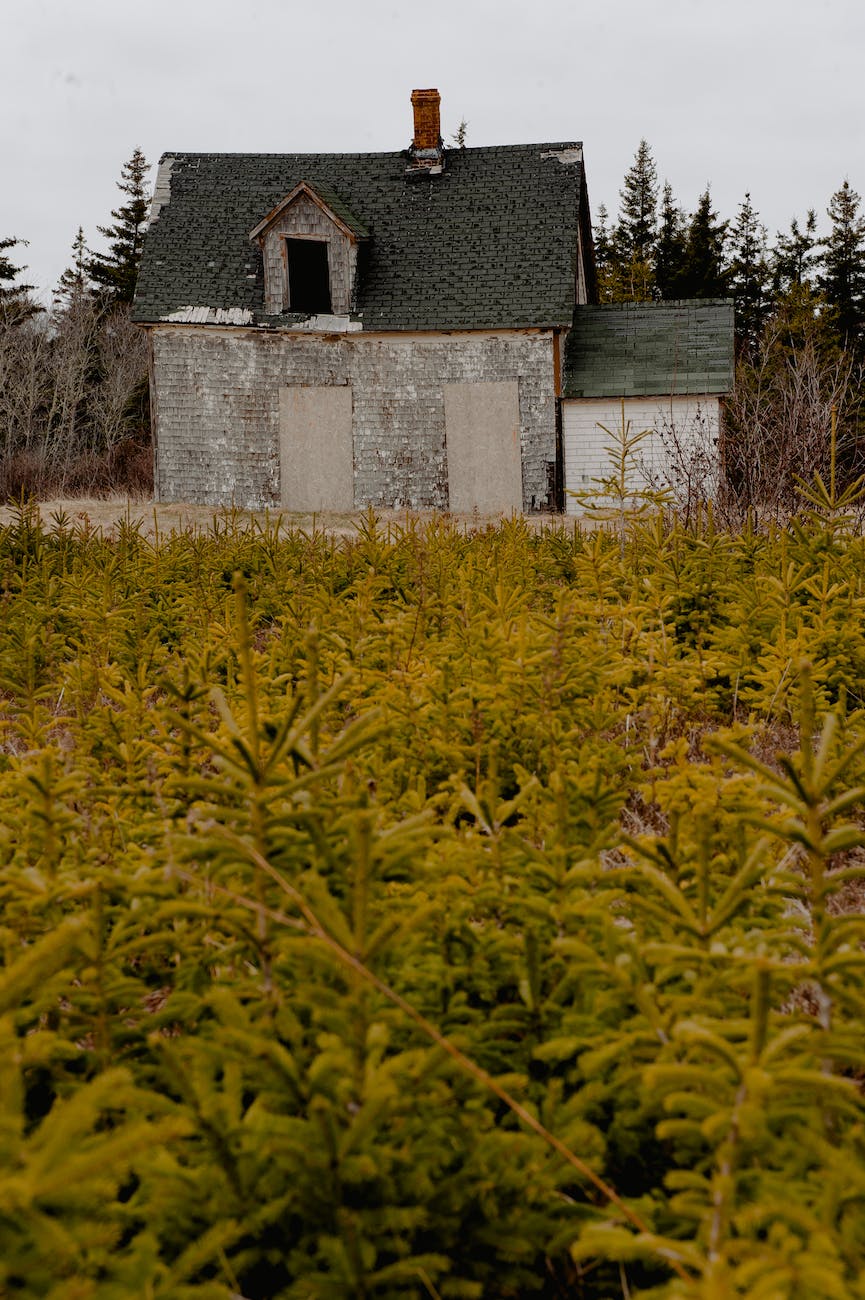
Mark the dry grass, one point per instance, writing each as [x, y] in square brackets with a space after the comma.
[105, 514]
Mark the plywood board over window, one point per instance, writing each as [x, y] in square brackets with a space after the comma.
[482, 431]
[316, 462]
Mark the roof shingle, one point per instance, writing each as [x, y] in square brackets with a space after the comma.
[489, 244]
[650, 349]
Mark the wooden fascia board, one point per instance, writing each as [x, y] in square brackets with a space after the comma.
[587, 242]
[302, 188]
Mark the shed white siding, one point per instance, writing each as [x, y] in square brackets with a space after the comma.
[685, 435]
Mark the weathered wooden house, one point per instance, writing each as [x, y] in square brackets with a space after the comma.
[332, 331]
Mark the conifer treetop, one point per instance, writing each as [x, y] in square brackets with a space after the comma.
[115, 273]
[638, 208]
[74, 286]
[15, 302]
[842, 274]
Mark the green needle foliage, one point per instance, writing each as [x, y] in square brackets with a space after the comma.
[433, 913]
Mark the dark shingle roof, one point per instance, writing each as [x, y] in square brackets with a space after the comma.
[650, 349]
[490, 243]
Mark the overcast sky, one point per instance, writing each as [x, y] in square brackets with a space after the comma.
[759, 95]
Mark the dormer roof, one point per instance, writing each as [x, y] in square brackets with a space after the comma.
[327, 200]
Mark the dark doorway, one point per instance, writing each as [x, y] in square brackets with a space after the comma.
[308, 275]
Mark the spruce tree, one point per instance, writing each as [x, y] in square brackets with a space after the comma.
[634, 236]
[842, 276]
[621, 277]
[794, 254]
[670, 247]
[15, 303]
[602, 239]
[749, 276]
[115, 273]
[638, 207]
[73, 287]
[704, 274]
[607, 260]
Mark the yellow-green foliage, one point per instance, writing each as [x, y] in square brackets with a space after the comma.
[344, 881]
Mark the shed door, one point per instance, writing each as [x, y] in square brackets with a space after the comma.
[482, 429]
[316, 461]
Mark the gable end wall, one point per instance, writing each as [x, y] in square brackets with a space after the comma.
[216, 409]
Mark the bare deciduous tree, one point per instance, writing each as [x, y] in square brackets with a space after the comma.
[68, 390]
[778, 422]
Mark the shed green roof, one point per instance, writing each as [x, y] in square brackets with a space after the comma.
[490, 243]
[650, 349]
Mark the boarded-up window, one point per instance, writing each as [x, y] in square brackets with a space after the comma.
[316, 461]
[482, 430]
[308, 275]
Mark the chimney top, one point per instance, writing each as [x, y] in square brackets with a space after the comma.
[427, 154]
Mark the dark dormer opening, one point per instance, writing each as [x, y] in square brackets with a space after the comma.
[308, 276]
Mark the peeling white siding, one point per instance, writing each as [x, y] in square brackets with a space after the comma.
[328, 325]
[568, 157]
[211, 316]
[162, 189]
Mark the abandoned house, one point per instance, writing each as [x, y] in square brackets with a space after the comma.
[410, 329]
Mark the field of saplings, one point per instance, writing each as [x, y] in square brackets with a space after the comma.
[432, 913]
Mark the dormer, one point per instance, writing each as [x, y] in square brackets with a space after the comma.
[309, 245]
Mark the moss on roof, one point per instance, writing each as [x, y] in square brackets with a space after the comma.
[491, 243]
[650, 349]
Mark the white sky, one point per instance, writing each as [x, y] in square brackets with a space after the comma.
[759, 95]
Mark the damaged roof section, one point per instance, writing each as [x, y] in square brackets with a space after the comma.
[650, 349]
[210, 316]
[491, 243]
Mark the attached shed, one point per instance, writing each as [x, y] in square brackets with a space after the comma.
[663, 367]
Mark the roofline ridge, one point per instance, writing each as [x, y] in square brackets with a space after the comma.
[364, 153]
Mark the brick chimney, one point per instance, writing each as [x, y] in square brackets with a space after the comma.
[427, 129]
[426, 153]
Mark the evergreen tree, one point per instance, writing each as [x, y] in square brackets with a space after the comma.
[670, 247]
[73, 287]
[638, 207]
[749, 276]
[632, 274]
[704, 274]
[802, 322]
[115, 273]
[842, 276]
[602, 239]
[15, 303]
[608, 263]
[794, 254]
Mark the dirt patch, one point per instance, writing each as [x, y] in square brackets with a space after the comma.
[158, 518]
